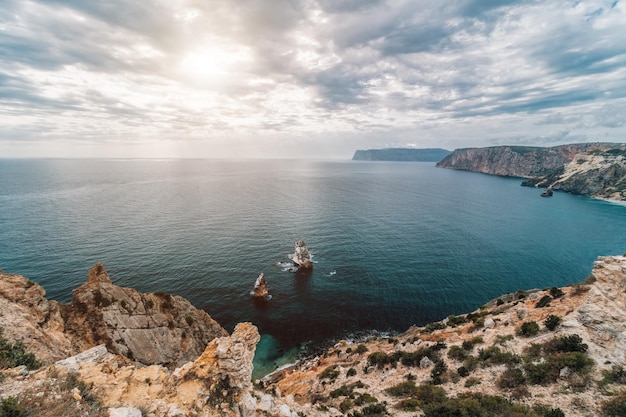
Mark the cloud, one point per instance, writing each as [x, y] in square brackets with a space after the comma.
[338, 73]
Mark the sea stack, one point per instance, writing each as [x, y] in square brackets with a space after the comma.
[260, 288]
[302, 257]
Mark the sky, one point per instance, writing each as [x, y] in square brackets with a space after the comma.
[306, 78]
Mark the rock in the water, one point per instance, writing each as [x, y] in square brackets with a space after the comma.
[301, 257]
[260, 288]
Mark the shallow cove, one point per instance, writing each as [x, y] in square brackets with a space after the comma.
[395, 244]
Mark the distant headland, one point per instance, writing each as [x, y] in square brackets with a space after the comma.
[401, 155]
[593, 169]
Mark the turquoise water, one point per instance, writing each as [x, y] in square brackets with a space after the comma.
[395, 244]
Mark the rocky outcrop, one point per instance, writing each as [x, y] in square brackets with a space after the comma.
[149, 328]
[597, 173]
[26, 315]
[216, 383]
[260, 288]
[603, 313]
[516, 161]
[401, 154]
[301, 256]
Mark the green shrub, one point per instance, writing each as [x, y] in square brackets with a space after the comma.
[329, 373]
[10, 407]
[457, 353]
[551, 322]
[431, 327]
[438, 372]
[456, 320]
[554, 412]
[470, 382]
[543, 302]
[351, 372]
[495, 356]
[528, 329]
[429, 394]
[511, 378]
[556, 292]
[410, 404]
[361, 348]
[380, 359]
[365, 399]
[571, 343]
[377, 409]
[462, 371]
[346, 405]
[615, 407]
[537, 373]
[14, 354]
[403, 389]
[475, 404]
[342, 391]
[616, 375]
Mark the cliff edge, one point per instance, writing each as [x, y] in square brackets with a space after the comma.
[539, 353]
[593, 169]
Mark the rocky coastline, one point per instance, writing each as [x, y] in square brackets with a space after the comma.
[593, 169]
[544, 352]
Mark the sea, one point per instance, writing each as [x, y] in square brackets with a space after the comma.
[394, 244]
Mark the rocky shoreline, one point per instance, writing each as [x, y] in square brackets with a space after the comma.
[593, 169]
[537, 353]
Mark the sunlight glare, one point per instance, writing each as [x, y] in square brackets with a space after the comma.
[213, 64]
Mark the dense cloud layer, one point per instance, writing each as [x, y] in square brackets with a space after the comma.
[306, 78]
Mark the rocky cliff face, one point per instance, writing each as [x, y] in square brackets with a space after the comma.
[150, 328]
[515, 161]
[597, 173]
[27, 316]
[504, 352]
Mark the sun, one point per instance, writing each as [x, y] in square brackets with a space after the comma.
[210, 64]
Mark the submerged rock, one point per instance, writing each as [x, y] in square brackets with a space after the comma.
[301, 257]
[260, 288]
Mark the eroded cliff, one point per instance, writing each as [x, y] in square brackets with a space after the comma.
[536, 353]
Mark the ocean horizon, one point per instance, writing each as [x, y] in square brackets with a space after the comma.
[394, 244]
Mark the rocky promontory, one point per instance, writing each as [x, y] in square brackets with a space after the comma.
[593, 169]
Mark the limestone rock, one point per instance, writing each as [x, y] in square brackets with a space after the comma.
[603, 313]
[93, 355]
[301, 257]
[149, 328]
[425, 362]
[260, 288]
[230, 357]
[124, 412]
[490, 323]
[26, 315]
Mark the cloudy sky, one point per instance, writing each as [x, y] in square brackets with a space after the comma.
[306, 78]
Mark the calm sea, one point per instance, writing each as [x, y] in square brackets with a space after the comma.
[395, 244]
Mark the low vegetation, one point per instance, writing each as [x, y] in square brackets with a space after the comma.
[15, 354]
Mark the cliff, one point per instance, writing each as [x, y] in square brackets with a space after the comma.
[599, 173]
[401, 154]
[539, 353]
[515, 161]
[593, 169]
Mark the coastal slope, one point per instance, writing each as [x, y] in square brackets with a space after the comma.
[401, 154]
[593, 169]
[538, 353]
